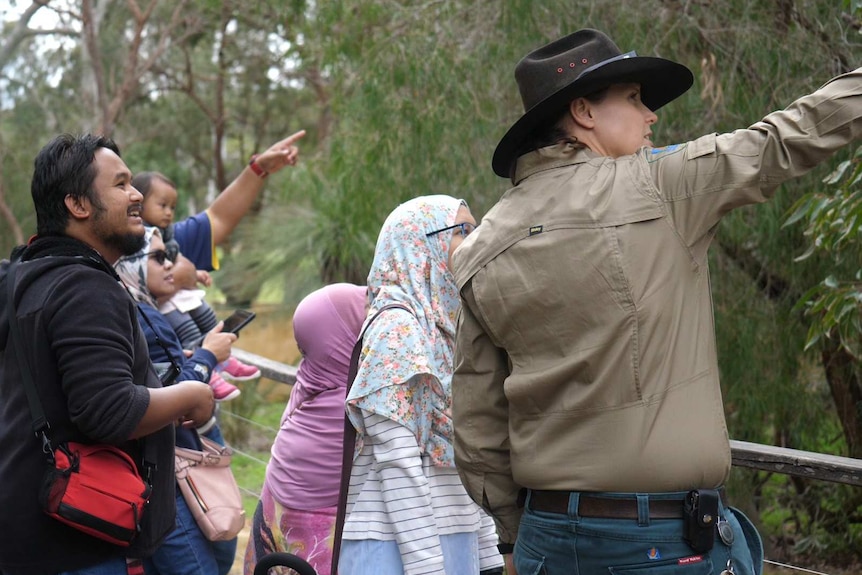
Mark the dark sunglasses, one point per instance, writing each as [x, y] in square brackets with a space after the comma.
[161, 256]
[466, 229]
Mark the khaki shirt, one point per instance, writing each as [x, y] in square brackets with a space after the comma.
[585, 354]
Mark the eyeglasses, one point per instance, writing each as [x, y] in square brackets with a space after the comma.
[160, 256]
[466, 229]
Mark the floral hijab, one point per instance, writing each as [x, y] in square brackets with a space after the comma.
[405, 369]
[132, 270]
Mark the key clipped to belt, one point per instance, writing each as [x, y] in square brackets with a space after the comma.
[699, 519]
[725, 532]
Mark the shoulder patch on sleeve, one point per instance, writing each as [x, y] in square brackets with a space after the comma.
[654, 154]
[703, 146]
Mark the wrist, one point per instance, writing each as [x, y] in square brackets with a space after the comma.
[257, 168]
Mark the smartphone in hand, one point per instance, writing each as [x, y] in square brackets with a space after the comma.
[238, 320]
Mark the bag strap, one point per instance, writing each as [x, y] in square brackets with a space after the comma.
[37, 413]
[40, 422]
[170, 376]
[350, 440]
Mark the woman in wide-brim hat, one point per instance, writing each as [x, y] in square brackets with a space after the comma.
[580, 65]
[587, 407]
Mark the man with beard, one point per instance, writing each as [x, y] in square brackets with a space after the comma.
[88, 359]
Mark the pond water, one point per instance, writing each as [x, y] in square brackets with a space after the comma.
[270, 335]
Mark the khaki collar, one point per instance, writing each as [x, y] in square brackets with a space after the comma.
[548, 158]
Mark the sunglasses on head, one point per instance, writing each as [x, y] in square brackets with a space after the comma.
[465, 227]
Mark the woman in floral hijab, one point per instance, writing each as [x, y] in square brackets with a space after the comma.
[407, 510]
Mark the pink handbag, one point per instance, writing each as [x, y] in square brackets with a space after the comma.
[210, 490]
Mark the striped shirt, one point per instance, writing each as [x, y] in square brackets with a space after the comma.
[397, 494]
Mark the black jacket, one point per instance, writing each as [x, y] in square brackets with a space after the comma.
[89, 359]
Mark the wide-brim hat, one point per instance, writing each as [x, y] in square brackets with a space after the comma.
[578, 65]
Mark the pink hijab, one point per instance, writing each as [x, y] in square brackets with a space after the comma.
[305, 468]
[326, 325]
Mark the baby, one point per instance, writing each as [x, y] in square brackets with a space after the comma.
[187, 311]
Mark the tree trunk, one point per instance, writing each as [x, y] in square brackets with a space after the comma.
[841, 369]
[218, 114]
[13, 38]
[842, 374]
[9, 216]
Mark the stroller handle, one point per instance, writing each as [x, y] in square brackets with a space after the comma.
[298, 564]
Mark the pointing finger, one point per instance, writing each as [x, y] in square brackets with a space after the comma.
[288, 141]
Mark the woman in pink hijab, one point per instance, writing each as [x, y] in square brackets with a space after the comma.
[299, 499]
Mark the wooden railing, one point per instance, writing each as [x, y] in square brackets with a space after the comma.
[752, 455]
[795, 462]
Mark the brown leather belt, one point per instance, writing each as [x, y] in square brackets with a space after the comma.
[606, 507]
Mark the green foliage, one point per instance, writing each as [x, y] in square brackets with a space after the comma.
[771, 396]
[404, 98]
[249, 424]
[420, 95]
[812, 519]
[833, 220]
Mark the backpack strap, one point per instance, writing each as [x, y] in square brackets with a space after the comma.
[350, 440]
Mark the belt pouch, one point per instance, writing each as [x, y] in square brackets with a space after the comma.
[699, 518]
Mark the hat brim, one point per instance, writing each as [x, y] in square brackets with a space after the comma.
[661, 82]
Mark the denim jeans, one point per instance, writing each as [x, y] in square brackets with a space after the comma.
[186, 551]
[565, 543]
[115, 566]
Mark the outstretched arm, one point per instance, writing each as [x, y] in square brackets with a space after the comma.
[233, 203]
